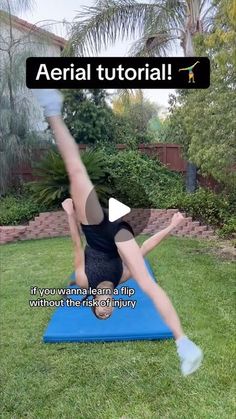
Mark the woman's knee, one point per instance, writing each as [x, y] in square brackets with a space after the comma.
[76, 171]
[148, 285]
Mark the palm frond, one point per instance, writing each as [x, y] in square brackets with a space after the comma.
[104, 23]
[162, 29]
[206, 5]
[52, 185]
[16, 7]
[169, 15]
[208, 24]
[208, 17]
[197, 12]
[158, 25]
[160, 44]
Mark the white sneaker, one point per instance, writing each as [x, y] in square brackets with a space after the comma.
[191, 356]
[51, 101]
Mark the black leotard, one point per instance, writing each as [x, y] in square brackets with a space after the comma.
[102, 260]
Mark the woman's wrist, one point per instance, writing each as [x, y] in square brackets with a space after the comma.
[170, 228]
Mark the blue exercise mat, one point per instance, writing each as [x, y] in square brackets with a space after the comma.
[79, 324]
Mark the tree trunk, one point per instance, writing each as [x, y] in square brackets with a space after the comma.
[191, 174]
[191, 177]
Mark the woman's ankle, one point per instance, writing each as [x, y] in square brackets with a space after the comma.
[179, 337]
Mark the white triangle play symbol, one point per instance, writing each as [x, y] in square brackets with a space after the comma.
[117, 210]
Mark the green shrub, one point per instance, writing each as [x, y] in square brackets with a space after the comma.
[228, 229]
[132, 177]
[140, 181]
[18, 209]
[204, 205]
[52, 186]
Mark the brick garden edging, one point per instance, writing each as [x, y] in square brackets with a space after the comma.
[55, 224]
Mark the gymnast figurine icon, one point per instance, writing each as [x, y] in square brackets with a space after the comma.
[112, 254]
[190, 72]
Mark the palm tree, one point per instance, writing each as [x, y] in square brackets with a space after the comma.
[158, 26]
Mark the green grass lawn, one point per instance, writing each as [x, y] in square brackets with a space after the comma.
[117, 380]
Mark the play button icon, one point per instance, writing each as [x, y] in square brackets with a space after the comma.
[116, 209]
[116, 212]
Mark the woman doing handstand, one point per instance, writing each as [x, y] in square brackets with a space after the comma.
[111, 255]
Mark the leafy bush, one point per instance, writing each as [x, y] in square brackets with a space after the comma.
[208, 207]
[91, 120]
[18, 209]
[228, 229]
[139, 180]
[132, 177]
[143, 182]
[52, 186]
[203, 205]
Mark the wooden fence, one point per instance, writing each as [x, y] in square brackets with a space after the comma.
[168, 154]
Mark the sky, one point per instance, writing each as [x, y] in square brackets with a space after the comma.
[59, 10]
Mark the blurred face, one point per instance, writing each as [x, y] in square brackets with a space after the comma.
[104, 309]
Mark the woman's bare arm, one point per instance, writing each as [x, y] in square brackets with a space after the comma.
[75, 235]
[153, 241]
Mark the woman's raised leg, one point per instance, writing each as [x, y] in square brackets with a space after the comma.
[87, 206]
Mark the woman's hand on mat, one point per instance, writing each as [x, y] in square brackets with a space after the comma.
[68, 206]
[176, 219]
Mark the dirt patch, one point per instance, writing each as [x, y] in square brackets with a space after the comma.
[225, 250]
[227, 253]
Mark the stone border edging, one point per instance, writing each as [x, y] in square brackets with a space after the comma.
[55, 224]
